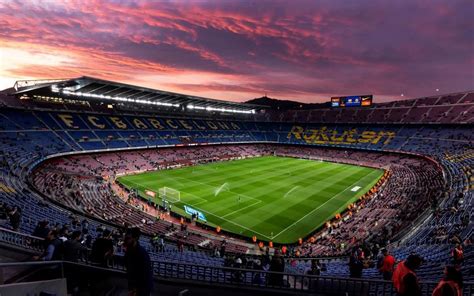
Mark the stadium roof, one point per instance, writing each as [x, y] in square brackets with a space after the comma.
[93, 89]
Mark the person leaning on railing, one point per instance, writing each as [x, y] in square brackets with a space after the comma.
[54, 249]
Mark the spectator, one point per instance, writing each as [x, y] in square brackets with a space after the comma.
[138, 264]
[15, 218]
[85, 226]
[102, 249]
[87, 242]
[154, 241]
[54, 249]
[276, 265]
[356, 263]
[216, 252]
[161, 244]
[180, 246]
[386, 268]
[64, 233]
[73, 248]
[315, 268]
[3, 211]
[223, 246]
[451, 284]
[404, 278]
[457, 254]
[258, 277]
[41, 229]
[237, 275]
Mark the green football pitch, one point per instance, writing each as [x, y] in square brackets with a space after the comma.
[274, 198]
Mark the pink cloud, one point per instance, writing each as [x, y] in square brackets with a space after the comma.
[304, 50]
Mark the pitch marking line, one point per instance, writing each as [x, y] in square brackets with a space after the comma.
[322, 205]
[204, 200]
[244, 227]
[227, 220]
[145, 188]
[238, 210]
[199, 202]
[200, 183]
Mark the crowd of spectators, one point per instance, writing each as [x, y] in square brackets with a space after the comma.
[83, 183]
[12, 214]
[413, 183]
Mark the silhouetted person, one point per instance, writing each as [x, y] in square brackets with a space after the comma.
[102, 249]
[277, 265]
[54, 248]
[457, 254]
[356, 263]
[73, 247]
[73, 251]
[388, 262]
[138, 264]
[315, 267]
[41, 229]
[451, 284]
[405, 280]
[15, 218]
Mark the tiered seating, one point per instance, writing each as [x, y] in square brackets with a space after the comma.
[421, 110]
[411, 180]
[449, 100]
[28, 137]
[468, 98]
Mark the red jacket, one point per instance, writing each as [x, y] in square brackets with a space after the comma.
[450, 285]
[457, 254]
[398, 277]
[387, 264]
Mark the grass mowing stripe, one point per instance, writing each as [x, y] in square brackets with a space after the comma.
[284, 212]
[262, 184]
[335, 196]
[231, 213]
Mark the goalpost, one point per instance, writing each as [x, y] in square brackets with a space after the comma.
[169, 194]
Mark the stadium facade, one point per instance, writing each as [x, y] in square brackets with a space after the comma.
[65, 142]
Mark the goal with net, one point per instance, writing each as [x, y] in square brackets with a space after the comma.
[169, 194]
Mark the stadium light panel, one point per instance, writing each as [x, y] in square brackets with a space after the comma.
[122, 99]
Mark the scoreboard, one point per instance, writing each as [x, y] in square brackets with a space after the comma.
[352, 101]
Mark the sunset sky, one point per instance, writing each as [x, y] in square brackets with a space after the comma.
[238, 50]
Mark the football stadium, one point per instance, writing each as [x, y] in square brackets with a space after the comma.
[114, 186]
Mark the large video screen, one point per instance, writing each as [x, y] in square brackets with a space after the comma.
[352, 101]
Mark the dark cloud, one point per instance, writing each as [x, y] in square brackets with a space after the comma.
[302, 49]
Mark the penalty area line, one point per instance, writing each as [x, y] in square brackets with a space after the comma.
[212, 214]
[351, 186]
[227, 220]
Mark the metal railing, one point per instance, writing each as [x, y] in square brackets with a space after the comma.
[292, 283]
[21, 240]
[235, 277]
[252, 279]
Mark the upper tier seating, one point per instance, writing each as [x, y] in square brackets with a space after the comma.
[422, 110]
